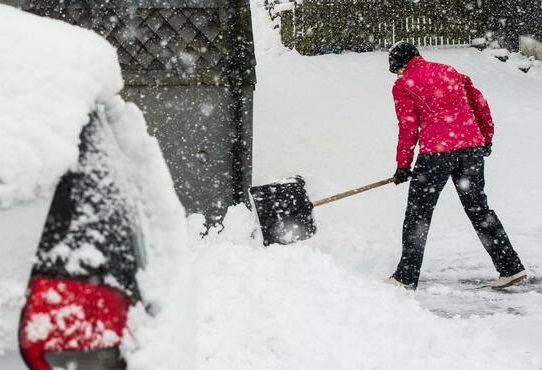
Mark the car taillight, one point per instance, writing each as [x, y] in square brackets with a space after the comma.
[72, 322]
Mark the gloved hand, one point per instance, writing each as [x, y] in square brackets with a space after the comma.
[486, 149]
[402, 175]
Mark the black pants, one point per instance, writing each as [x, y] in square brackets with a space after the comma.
[431, 172]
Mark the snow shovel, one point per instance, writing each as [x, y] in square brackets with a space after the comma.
[285, 212]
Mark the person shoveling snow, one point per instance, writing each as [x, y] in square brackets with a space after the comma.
[441, 110]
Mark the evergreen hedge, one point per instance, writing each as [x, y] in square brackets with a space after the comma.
[323, 26]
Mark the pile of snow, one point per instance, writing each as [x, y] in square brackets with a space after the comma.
[295, 307]
[517, 60]
[520, 61]
[498, 52]
[531, 46]
[480, 42]
[166, 282]
[52, 76]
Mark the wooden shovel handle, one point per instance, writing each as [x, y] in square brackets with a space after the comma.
[352, 192]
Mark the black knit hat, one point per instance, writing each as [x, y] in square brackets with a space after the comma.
[400, 54]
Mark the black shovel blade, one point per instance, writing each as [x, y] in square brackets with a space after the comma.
[284, 211]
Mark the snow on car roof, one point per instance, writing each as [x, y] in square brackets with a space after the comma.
[52, 75]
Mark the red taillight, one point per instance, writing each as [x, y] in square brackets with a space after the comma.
[68, 315]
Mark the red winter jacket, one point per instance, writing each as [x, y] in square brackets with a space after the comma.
[440, 109]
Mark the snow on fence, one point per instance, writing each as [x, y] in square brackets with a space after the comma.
[320, 26]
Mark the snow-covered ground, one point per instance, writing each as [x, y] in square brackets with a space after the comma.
[321, 303]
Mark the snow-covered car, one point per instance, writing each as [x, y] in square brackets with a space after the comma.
[83, 278]
[85, 200]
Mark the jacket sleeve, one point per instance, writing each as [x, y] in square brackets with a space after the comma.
[408, 119]
[480, 108]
